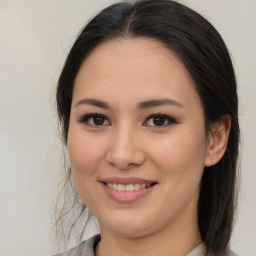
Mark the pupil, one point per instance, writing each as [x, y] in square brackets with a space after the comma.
[158, 121]
[98, 120]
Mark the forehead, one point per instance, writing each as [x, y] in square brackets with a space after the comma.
[132, 53]
[136, 67]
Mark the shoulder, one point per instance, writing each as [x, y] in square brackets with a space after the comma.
[201, 250]
[86, 248]
[230, 253]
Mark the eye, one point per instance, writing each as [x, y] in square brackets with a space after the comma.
[95, 120]
[159, 120]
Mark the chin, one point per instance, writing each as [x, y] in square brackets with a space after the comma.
[130, 226]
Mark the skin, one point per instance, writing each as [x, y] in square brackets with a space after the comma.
[123, 73]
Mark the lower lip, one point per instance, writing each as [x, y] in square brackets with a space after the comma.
[126, 197]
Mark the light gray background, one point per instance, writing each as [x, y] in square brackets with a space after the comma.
[35, 37]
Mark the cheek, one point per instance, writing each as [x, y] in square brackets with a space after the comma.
[84, 158]
[182, 153]
[79, 156]
[180, 160]
[84, 152]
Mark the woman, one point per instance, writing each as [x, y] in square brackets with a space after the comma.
[148, 105]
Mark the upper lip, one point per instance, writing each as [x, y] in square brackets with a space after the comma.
[126, 181]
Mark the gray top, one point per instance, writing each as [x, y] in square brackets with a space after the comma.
[87, 248]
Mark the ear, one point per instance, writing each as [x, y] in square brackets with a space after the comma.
[217, 140]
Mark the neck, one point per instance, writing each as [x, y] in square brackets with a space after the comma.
[177, 240]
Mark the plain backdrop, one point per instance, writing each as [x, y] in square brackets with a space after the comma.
[35, 37]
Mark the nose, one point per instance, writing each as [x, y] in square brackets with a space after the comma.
[125, 150]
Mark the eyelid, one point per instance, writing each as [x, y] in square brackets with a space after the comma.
[86, 117]
[171, 120]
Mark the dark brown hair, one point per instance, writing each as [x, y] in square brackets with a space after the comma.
[205, 55]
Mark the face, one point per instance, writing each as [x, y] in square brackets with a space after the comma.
[136, 139]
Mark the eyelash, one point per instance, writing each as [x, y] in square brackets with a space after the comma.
[85, 118]
[167, 118]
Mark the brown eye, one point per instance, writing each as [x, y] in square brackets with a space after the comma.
[95, 120]
[159, 120]
[98, 120]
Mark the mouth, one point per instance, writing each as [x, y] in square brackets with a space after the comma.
[127, 190]
[128, 187]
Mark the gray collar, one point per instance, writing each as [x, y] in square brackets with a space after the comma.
[200, 250]
[87, 248]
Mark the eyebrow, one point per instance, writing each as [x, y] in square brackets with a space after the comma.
[159, 102]
[93, 102]
[141, 105]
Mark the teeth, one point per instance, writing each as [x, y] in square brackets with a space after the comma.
[121, 187]
[143, 185]
[137, 187]
[127, 188]
[110, 185]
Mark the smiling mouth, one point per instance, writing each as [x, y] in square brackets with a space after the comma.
[128, 187]
[127, 190]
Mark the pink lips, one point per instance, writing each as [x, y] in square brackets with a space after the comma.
[128, 180]
[125, 196]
